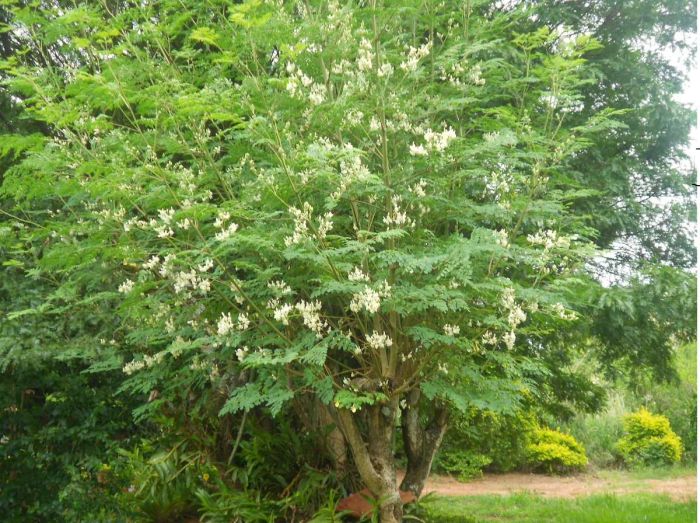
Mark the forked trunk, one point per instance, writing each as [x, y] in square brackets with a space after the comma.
[375, 458]
[420, 444]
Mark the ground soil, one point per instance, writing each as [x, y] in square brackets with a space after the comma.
[682, 488]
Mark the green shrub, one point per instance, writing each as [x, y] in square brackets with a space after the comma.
[463, 463]
[500, 438]
[598, 433]
[678, 399]
[554, 451]
[649, 440]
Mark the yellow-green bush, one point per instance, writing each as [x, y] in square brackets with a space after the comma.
[554, 451]
[649, 440]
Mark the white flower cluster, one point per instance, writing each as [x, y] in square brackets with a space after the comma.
[489, 338]
[368, 300]
[549, 239]
[396, 217]
[225, 324]
[317, 94]
[186, 280]
[453, 74]
[450, 330]
[385, 70]
[147, 362]
[509, 340]
[475, 75]
[365, 56]
[352, 170]
[356, 274]
[311, 317]
[563, 313]
[205, 265]
[164, 230]
[225, 231]
[415, 54]
[281, 313]
[516, 315]
[325, 224]
[502, 238]
[439, 141]
[243, 321]
[242, 352]
[126, 287]
[378, 340]
[498, 185]
[132, 366]
[301, 223]
[417, 150]
[434, 141]
[419, 188]
[279, 287]
[298, 81]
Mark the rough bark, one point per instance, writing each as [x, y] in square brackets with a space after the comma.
[335, 441]
[375, 458]
[420, 444]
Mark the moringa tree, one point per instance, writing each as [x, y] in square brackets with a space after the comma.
[366, 205]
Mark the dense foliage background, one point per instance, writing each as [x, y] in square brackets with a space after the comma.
[258, 255]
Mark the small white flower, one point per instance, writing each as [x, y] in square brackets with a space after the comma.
[489, 338]
[166, 215]
[325, 224]
[317, 94]
[516, 316]
[414, 56]
[221, 219]
[450, 330]
[133, 366]
[501, 237]
[417, 150]
[152, 263]
[204, 285]
[357, 275]
[509, 339]
[241, 353]
[243, 322]
[224, 325]
[386, 69]
[205, 265]
[311, 317]
[227, 232]
[368, 300]
[281, 313]
[126, 287]
[378, 340]
[365, 55]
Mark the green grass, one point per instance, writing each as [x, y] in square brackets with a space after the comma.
[676, 471]
[526, 508]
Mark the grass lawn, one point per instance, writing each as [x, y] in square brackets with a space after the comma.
[676, 471]
[522, 508]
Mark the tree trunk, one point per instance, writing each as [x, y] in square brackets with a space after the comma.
[375, 459]
[335, 441]
[420, 444]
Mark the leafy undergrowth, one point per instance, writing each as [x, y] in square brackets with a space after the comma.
[525, 508]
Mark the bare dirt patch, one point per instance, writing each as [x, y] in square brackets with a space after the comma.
[681, 488]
